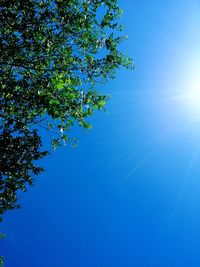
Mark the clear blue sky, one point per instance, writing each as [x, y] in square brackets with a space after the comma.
[129, 195]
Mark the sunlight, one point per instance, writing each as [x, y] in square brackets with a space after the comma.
[192, 96]
[186, 84]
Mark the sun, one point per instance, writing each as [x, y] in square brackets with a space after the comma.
[192, 98]
[194, 95]
[188, 87]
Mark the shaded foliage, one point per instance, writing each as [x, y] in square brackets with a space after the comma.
[1, 257]
[53, 56]
[1, 261]
[17, 156]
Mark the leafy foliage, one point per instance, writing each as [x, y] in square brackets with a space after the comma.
[1, 261]
[17, 154]
[1, 257]
[53, 56]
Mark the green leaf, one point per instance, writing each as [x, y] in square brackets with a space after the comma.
[60, 85]
[1, 261]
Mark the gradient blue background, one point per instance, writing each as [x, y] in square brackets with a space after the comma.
[129, 195]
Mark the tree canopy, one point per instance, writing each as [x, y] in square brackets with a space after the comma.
[54, 54]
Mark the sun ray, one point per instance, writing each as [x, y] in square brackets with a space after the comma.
[184, 183]
[154, 149]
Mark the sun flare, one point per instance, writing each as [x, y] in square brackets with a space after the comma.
[194, 93]
[188, 87]
[192, 98]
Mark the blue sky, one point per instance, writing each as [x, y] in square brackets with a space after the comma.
[129, 195]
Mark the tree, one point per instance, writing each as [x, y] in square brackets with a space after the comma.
[1, 257]
[17, 154]
[53, 56]
[1, 261]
